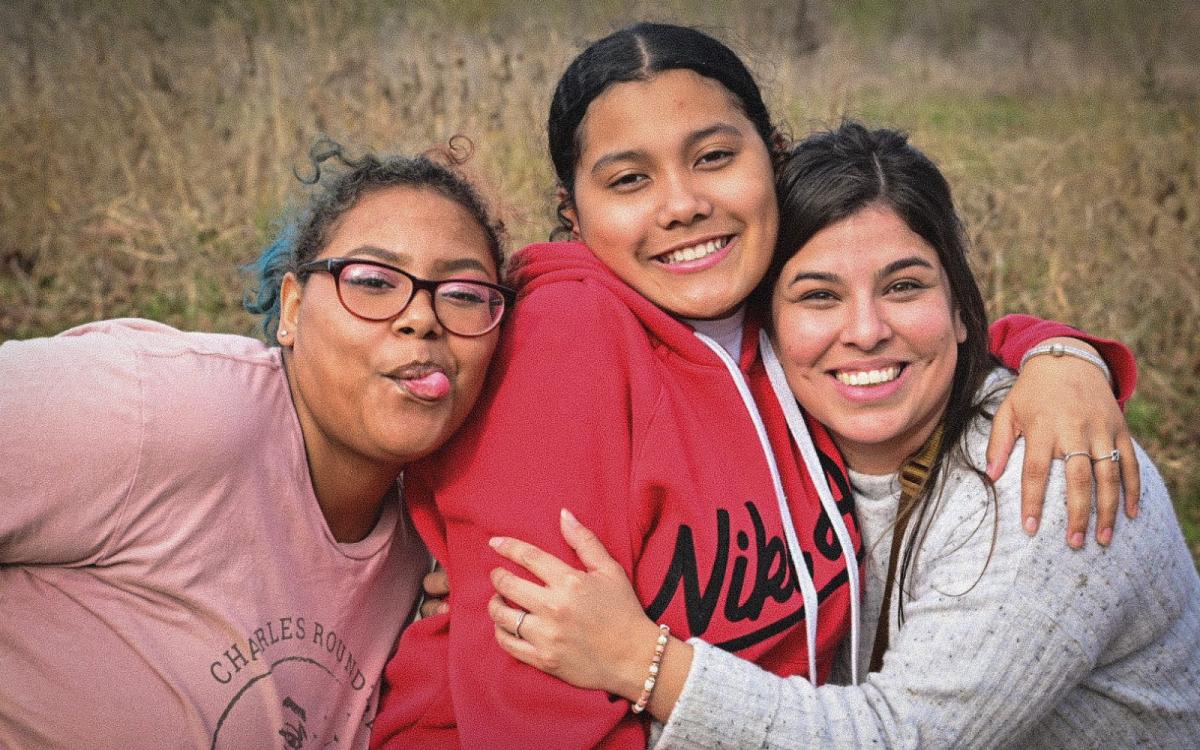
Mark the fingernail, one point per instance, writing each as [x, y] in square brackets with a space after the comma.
[1077, 540]
[1031, 525]
[991, 470]
[1105, 536]
[443, 608]
[495, 542]
[569, 518]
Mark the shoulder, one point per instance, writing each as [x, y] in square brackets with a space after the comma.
[130, 338]
[1140, 548]
[571, 296]
[197, 392]
[574, 327]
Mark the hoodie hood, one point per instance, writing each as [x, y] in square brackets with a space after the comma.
[546, 263]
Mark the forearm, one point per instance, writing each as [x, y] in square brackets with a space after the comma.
[730, 702]
[627, 675]
[1014, 335]
[986, 651]
[927, 696]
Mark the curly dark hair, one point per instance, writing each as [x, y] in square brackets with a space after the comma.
[300, 240]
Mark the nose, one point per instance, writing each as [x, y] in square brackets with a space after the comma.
[418, 318]
[683, 201]
[866, 325]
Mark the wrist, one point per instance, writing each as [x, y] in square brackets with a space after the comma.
[631, 670]
[1073, 342]
[660, 649]
[1059, 347]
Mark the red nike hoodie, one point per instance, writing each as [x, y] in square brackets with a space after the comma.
[676, 456]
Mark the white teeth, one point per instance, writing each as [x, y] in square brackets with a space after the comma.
[695, 252]
[869, 377]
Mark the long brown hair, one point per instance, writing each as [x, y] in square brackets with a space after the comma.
[832, 175]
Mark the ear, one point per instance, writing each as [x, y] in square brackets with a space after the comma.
[290, 293]
[960, 330]
[567, 210]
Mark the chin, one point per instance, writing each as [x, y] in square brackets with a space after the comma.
[404, 438]
[877, 434]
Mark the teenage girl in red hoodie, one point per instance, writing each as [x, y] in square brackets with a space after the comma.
[630, 388]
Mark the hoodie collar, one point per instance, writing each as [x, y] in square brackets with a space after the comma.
[547, 263]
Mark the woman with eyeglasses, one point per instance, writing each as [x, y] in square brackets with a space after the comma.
[202, 538]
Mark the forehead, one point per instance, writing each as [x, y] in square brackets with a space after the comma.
[418, 223]
[865, 241]
[663, 108]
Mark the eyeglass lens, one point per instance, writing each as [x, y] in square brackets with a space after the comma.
[378, 293]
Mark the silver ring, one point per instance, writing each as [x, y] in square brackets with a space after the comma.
[520, 621]
[1068, 456]
[1114, 456]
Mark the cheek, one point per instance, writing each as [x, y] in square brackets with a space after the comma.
[932, 326]
[326, 341]
[801, 338]
[757, 185]
[473, 357]
[610, 229]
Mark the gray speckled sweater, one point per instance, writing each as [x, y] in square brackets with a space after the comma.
[1041, 646]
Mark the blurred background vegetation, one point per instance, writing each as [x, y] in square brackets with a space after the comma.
[146, 148]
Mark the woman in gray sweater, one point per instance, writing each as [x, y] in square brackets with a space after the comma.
[990, 638]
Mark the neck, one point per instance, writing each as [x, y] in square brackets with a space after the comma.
[350, 488]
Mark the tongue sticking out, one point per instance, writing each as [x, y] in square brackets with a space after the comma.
[432, 387]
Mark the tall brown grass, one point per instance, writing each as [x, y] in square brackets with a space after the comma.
[146, 150]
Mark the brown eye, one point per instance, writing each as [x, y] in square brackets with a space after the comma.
[628, 180]
[906, 285]
[714, 157]
[818, 295]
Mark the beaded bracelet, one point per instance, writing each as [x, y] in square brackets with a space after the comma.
[660, 646]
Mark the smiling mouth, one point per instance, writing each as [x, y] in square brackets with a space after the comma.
[869, 377]
[694, 252]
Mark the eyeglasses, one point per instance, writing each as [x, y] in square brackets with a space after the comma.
[376, 291]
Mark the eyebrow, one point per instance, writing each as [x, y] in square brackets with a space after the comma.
[402, 259]
[891, 268]
[719, 128]
[903, 263]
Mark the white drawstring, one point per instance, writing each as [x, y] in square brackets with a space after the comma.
[807, 590]
[808, 452]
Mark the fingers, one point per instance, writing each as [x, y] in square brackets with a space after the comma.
[509, 618]
[431, 607]
[436, 584]
[1107, 474]
[505, 619]
[525, 594]
[518, 648]
[1078, 470]
[1035, 470]
[587, 545]
[1131, 474]
[1001, 441]
[542, 564]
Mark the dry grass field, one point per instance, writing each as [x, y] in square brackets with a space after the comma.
[146, 150]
